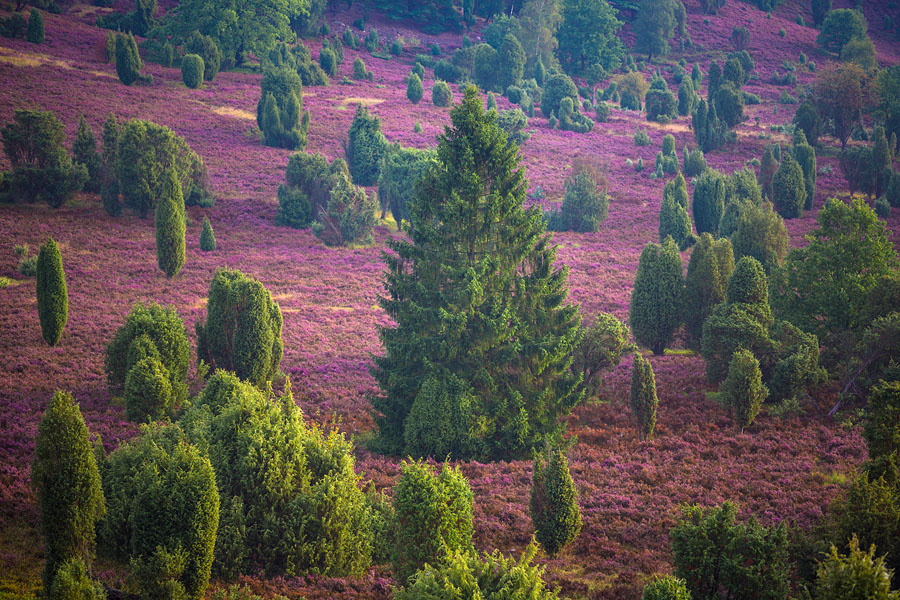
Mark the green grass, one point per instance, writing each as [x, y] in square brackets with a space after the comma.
[679, 352]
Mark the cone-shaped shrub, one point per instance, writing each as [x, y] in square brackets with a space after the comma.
[52, 295]
[141, 347]
[280, 113]
[148, 393]
[806, 157]
[328, 62]
[789, 188]
[673, 216]
[441, 95]
[655, 309]
[761, 234]
[709, 201]
[35, 33]
[414, 88]
[205, 47]
[65, 477]
[743, 391]
[686, 97]
[192, 71]
[433, 517]
[84, 151]
[366, 147]
[511, 62]
[666, 588]
[708, 272]
[242, 332]
[128, 60]
[555, 514]
[207, 237]
[767, 169]
[170, 226]
[643, 396]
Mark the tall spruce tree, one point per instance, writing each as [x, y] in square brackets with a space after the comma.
[65, 476]
[52, 295]
[478, 304]
[656, 300]
[170, 225]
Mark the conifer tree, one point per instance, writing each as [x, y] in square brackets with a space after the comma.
[686, 97]
[881, 159]
[35, 33]
[511, 62]
[709, 201]
[555, 514]
[762, 235]
[207, 237]
[469, 231]
[52, 295]
[656, 300]
[366, 147]
[710, 267]
[128, 60]
[170, 226]
[65, 477]
[84, 151]
[280, 113]
[242, 332]
[414, 88]
[673, 216]
[643, 396]
[767, 169]
[806, 158]
[789, 188]
[743, 390]
[109, 183]
[148, 393]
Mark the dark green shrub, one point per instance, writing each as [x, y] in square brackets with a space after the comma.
[486, 67]
[35, 33]
[729, 104]
[242, 331]
[366, 147]
[165, 330]
[807, 119]
[709, 201]
[52, 295]
[882, 431]
[514, 94]
[279, 113]
[686, 97]
[359, 69]
[743, 391]
[601, 111]
[839, 27]
[148, 393]
[401, 171]
[806, 158]
[447, 71]
[192, 71]
[557, 87]
[708, 272]
[674, 220]
[857, 575]
[643, 396]
[555, 514]
[641, 138]
[72, 580]
[601, 347]
[349, 38]
[128, 60]
[870, 509]
[84, 151]
[163, 512]
[170, 225]
[661, 105]
[109, 184]
[66, 481]
[510, 62]
[419, 70]
[668, 145]
[372, 42]
[767, 168]
[434, 518]
[666, 588]
[717, 556]
[14, 26]
[693, 163]
[441, 94]
[349, 215]
[491, 102]
[328, 62]
[396, 47]
[439, 420]
[205, 47]
[585, 203]
[207, 237]
[305, 191]
[882, 207]
[656, 300]
[414, 88]
[789, 188]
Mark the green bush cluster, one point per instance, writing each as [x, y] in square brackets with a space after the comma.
[206, 48]
[400, 173]
[366, 147]
[279, 113]
[441, 94]
[585, 204]
[192, 70]
[708, 272]
[170, 225]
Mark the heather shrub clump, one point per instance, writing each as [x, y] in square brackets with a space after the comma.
[656, 300]
[643, 396]
[242, 331]
[433, 518]
[52, 294]
[555, 514]
[192, 71]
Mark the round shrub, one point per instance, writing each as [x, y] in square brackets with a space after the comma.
[644, 400]
[148, 393]
[601, 111]
[434, 518]
[52, 294]
[668, 145]
[661, 104]
[414, 88]
[557, 87]
[359, 69]
[170, 225]
[743, 391]
[666, 588]
[192, 71]
[396, 47]
[486, 65]
[242, 331]
[141, 347]
[789, 188]
[555, 515]
[65, 478]
[729, 104]
[761, 234]
[207, 237]
[601, 347]
[441, 94]
[165, 330]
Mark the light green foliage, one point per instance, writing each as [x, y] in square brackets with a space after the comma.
[694, 163]
[242, 331]
[857, 575]
[741, 186]
[709, 201]
[466, 575]
[433, 518]
[666, 588]
[643, 396]
[439, 421]
[789, 188]
[708, 272]
[555, 514]
[206, 48]
[656, 300]
[163, 511]
[840, 26]
[52, 294]
[870, 509]
[290, 496]
[145, 152]
[35, 33]
[73, 582]
[601, 347]
[148, 393]
[715, 555]
[414, 88]
[860, 50]
[760, 233]
[510, 62]
[585, 203]
[207, 237]
[192, 71]
[84, 151]
[441, 95]
[556, 88]
[668, 145]
[743, 391]
[279, 113]
[163, 327]
[170, 225]
[588, 36]
[305, 191]
[366, 146]
[65, 478]
[400, 173]
[653, 27]
[674, 220]
[470, 231]
[128, 60]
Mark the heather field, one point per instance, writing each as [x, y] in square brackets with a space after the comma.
[781, 468]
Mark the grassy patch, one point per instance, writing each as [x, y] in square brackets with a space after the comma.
[679, 352]
[21, 562]
[354, 100]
